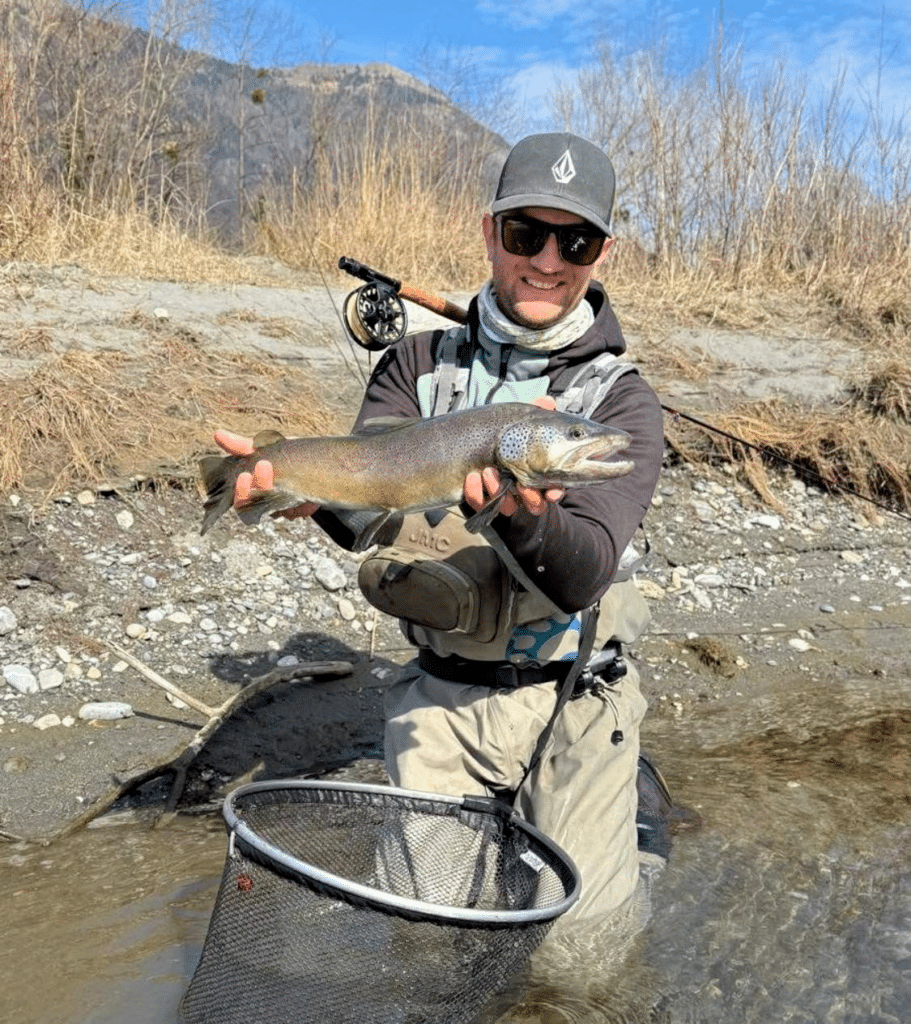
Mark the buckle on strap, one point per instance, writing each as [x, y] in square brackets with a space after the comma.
[507, 676]
[605, 668]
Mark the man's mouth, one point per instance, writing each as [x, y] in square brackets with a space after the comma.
[541, 286]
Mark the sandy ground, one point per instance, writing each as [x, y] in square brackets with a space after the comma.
[747, 604]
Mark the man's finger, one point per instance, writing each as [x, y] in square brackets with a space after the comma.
[537, 501]
[263, 476]
[474, 490]
[242, 488]
[233, 444]
[492, 484]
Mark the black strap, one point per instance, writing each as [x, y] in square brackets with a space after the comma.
[491, 673]
[586, 645]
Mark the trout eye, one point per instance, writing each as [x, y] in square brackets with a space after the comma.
[577, 432]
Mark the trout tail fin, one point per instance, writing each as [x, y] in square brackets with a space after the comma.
[219, 476]
[218, 481]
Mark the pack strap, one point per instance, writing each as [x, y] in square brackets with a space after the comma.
[450, 374]
[586, 644]
[589, 384]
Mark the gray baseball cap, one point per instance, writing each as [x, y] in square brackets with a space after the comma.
[560, 171]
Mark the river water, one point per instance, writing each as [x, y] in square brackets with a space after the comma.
[791, 903]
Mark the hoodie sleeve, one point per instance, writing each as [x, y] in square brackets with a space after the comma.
[573, 550]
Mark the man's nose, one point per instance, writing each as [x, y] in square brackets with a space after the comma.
[548, 260]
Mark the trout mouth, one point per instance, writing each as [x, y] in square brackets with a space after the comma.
[593, 460]
[577, 461]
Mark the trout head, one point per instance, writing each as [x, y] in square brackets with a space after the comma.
[556, 449]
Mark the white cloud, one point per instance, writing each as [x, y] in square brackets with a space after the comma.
[528, 14]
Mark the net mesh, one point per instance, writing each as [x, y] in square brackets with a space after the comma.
[343, 903]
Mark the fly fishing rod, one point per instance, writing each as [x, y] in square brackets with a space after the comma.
[375, 317]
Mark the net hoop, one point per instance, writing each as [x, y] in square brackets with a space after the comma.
[272, 856]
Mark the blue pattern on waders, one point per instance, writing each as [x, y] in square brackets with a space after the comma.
[527, 640]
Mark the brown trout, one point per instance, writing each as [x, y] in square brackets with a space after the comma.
[397, 466]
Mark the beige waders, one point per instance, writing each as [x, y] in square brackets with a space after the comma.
[460, 739]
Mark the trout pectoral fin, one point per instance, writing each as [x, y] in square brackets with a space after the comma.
[383, 531]
[488, 511]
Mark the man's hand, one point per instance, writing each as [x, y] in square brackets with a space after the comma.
[261, 479]
[481, 487]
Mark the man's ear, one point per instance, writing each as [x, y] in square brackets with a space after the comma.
[490, 234]
[602, 256]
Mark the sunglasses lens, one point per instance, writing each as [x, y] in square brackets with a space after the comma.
[579, 247]
[523, 238]
[527, 237]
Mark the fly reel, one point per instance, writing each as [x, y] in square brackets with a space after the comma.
[375, 316]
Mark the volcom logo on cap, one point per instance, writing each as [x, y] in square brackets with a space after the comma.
[564, 170]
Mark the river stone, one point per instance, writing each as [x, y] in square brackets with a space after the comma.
[8, 620]
[771, 522]
[105, 711]
[50, 678]
[48, 721]
[851, 557]
[21, 678]
[330, 575]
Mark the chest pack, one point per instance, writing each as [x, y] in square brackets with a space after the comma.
[465, 594]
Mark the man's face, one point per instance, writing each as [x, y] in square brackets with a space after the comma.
[537, 291]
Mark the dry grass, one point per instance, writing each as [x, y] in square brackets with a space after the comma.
[83, 417]
[849, 449]
[129, 244]
[884, 390]
[408, 203]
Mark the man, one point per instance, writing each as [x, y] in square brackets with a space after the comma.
[477, 711]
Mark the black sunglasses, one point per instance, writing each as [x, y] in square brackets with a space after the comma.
[579, 244]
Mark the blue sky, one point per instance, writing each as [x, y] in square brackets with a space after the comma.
[526, 44]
